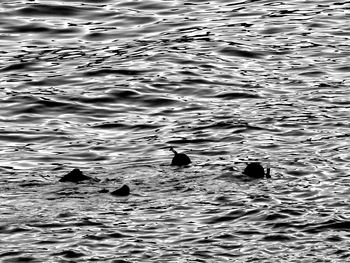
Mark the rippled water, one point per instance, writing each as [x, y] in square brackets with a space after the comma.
[108, 86]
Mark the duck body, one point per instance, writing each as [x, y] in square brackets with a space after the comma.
[179, 159]
[255, 170]
[75, 176]
[122, 191]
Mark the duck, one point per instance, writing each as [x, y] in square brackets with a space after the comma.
[179, 159]
[75, 176]
[122, 191]
[255, 170]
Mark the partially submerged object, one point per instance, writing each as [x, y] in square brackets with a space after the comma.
[75, 176]
[255, 170]
[179, 159]
[122, 191]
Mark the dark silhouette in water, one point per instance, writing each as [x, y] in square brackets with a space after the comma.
[122, 191]
[74, 176]
[255, 170]
[179, 159]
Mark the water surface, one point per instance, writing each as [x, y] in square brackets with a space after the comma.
[107, 86]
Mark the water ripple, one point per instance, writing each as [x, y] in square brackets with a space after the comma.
[109, 86]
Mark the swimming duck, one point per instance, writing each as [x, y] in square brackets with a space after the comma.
[75, 176]
[122, 191]
[255, 170]
[179, 159]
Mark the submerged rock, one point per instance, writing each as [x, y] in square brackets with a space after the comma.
[74, 176]
[179, 159]
[122, 191]
[255, 170]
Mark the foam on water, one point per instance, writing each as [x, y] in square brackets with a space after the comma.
[108, 86]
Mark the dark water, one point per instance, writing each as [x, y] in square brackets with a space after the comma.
[107, 86]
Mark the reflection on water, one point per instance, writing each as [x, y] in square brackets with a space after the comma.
[108, 86]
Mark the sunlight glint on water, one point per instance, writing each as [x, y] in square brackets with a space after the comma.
[109, 86]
